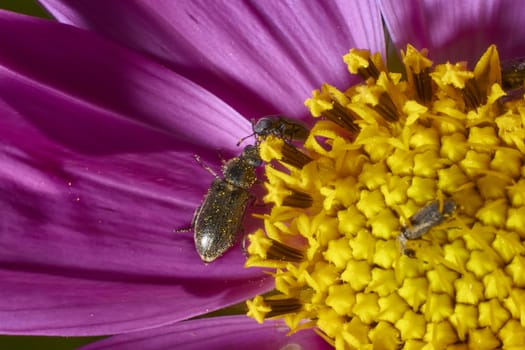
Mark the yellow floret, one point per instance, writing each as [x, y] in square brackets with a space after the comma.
[402, 222]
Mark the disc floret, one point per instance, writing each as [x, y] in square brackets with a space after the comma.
[437, 154]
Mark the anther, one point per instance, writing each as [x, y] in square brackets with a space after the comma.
[342, 116]
[282, 307]
[369, 72]
[298, 200]
[282, 252]
[472, 95]
[386, 108]
[423, 83]
[293, 156]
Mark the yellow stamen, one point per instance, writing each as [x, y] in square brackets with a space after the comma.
[363, 63]
[279, 149]
[418, 66]
[435, 163]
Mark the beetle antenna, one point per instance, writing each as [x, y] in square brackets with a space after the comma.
[244, 138]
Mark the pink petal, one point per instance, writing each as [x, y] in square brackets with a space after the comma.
[93, 190]
[261, 57]
[113, 78]
[88, 302]
[457, 30]
[231, 332]
[76, 223]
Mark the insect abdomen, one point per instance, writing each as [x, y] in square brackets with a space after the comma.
[218, 220]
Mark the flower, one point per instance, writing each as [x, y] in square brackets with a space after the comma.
[412, 233]
[87, 233]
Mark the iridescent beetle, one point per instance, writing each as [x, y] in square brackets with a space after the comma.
[279, 126]
[423, 220]
[513, 73]
[218, 220]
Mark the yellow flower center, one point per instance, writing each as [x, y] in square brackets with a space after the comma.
[400, 223]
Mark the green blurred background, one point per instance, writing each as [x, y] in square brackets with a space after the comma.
[29, 7]
[36, 343]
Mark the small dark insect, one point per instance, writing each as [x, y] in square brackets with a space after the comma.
[423, 220]
[513, 73]
[218, 220]
[280, 126]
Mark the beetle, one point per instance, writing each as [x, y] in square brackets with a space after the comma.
[423, 220]
[513, 73]
[217, 221]
[279, 126]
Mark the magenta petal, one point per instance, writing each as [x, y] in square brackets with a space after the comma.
[457, 30]
[260, 57]
[113, 78]
[91, 194]
[233, 332]
[68, 303]
[94, 235]
[87, 242]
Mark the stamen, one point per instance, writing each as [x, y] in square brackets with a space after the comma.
[276, 148]
[265, 248]
[342, 116]
[386, 108]
[423, 84]
[293, 156]
[282, 307]
[298, 200]
[472, 95]
[272, 306]
[370, 71]
[418, 67]
[362, 63]
[283, 252]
